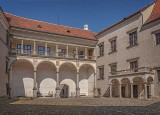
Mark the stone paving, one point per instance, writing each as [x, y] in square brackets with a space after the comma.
[79, 106]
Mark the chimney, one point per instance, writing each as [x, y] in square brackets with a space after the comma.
[85, 27]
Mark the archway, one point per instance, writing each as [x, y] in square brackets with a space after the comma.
[22, 78]
[46, 79]
[115, 88]
[125, 87]
[67, 76]
[138, 87]
[86, 80]
[150, 87]
[64, 91]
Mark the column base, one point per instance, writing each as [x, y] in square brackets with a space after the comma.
[96, 94]
[57, 92]
[34, 92]
[78, 92]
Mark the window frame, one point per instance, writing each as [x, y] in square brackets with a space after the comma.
[41, 52]
[158, 75]
[133, 65]
[113, 69]
[157, 39]
[19, 48]
[27, 49]
[133, 37]
[101, 72]
[101, 49]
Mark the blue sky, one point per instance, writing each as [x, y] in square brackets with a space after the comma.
[98, 14]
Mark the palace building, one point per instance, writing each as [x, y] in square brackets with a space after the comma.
[40, 59]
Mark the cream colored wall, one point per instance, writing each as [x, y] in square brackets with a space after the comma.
[3, 57]
[148, 54]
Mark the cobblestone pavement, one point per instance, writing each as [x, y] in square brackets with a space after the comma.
[79, 106]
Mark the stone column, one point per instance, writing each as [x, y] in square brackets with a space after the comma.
[67, 51]
[131, 90]
[76, 52]
[152, 90]
[95, 86]
[145, 90]
[110, 86]
[46, 49]
[56, 50]
[120, 90]
[35, 85]
[22, 47]
[86, 54]
[34, 50]
[57, 86]
[77, 87]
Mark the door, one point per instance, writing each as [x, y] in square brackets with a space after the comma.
[123, 91]
[135, 91]
[64, 91]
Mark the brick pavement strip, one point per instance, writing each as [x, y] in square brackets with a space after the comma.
[79, 106]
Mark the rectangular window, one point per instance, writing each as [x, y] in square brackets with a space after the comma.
[19, 47]
[134, 66]
[6, 71]
[157, 38]
[113, 69]
[81, 54]
[101, 49]
[158, 75]
[133, 38]
[101, 72]
[41, 50]
[27, 49]
[48, 51]
[113, 45]
[61, 52]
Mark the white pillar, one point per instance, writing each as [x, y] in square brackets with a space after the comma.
[56, 50]
[77, 87]
[86, 53]
[96, 94]
[145, 90]
[46, 49]
[120, 90]
[76, 52]
[67, 51]
[22, 46]
[57, 86]
[131, 90]
[34, 50]
[152, 90]
[35, 85]
[110, 86]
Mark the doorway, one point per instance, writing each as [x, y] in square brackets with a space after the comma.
[135, 91]
[64, 91]
[123, 91]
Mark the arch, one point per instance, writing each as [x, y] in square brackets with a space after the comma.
[150, 80]
[22, 78]
[14, 61]
[46, 78]
[67, 63]
[125, 87]
[86, 80]
[115, 87]
[140, 78]
[43, 61]
[88, 65]
[71, 86]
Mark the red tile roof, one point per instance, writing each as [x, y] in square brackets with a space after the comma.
[155, 13]
[20, 22]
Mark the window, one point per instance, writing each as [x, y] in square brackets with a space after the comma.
[41, 50]
[61, 52]
[101, 49]
[74, 53]
[133, 38]
[6, 69]
[101, 72]
[113, 69]
[19, 47]
[81, 54]
[158, 75]
[134, 66]
[48, 51]
[27, 49]
[113, 45]
[157, 38]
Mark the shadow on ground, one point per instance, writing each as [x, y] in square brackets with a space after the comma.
[7, 108]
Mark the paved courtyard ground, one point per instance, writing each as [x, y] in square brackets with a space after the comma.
[79, 106]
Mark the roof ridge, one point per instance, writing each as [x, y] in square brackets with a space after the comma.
[47, 22]
[125, 18]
